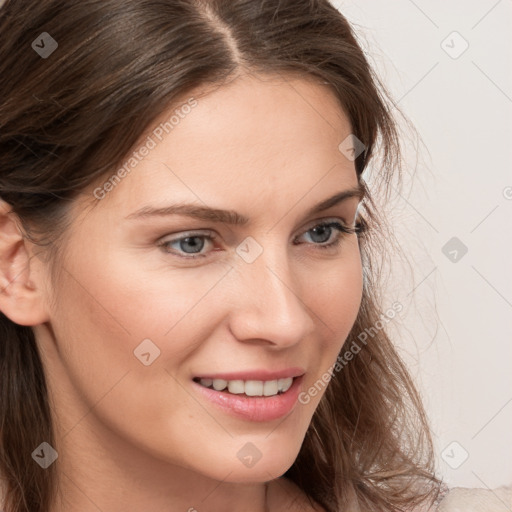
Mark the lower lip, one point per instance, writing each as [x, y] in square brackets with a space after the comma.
[257, 408]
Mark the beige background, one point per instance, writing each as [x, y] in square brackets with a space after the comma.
[456, 333]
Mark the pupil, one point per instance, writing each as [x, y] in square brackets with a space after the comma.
[187, 241]
[319, 230]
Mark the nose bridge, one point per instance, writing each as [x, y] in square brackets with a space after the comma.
[270, 307]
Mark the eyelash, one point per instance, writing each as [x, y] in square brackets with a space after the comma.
[341, 228]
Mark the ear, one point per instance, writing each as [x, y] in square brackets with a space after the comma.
[21, 276]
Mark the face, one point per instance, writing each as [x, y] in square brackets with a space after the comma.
[147, 303]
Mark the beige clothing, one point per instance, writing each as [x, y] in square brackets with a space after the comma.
[461, 499]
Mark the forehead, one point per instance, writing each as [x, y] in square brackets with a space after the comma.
[255, 136]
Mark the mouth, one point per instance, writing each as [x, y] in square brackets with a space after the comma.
[251, 400]
[250, 388]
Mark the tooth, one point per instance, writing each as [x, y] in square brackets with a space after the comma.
[254, 388]
[270, 388]
[236, 386]
[250, 387]
[287, 384]
[219, 384]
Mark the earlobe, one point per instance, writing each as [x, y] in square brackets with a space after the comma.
[21, 297]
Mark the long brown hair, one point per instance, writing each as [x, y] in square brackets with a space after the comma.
[69, 118]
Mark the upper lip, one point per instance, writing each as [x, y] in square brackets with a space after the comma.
[261, 374]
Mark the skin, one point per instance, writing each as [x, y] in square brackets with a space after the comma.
[133, 437]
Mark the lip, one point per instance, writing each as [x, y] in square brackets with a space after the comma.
[256, 409]
[261, 374]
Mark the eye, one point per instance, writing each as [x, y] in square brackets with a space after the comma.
[191, 245]
[323, 232]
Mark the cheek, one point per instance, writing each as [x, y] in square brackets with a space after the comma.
[108, 309]
[103, 314]
[337, 292]
[124, 299]
[335, 300]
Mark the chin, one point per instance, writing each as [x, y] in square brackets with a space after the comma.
[256, 461]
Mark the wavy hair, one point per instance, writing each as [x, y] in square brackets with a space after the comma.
[67, 120]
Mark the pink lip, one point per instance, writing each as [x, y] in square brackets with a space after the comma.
[255, 374]
[258, 409]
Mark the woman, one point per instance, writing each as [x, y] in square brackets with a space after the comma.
[186, 264]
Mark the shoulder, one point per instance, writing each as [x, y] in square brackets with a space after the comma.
[476, 500]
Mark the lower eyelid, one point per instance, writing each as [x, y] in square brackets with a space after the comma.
[337, 226]
[337, 239]
[164, 243]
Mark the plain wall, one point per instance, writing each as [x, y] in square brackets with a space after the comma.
[455, 331]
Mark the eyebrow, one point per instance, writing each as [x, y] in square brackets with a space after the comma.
[235, 218]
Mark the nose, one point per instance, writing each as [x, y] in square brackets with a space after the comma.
[271, 303]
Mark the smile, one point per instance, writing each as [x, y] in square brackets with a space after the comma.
[251, 400]
[249, 387]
